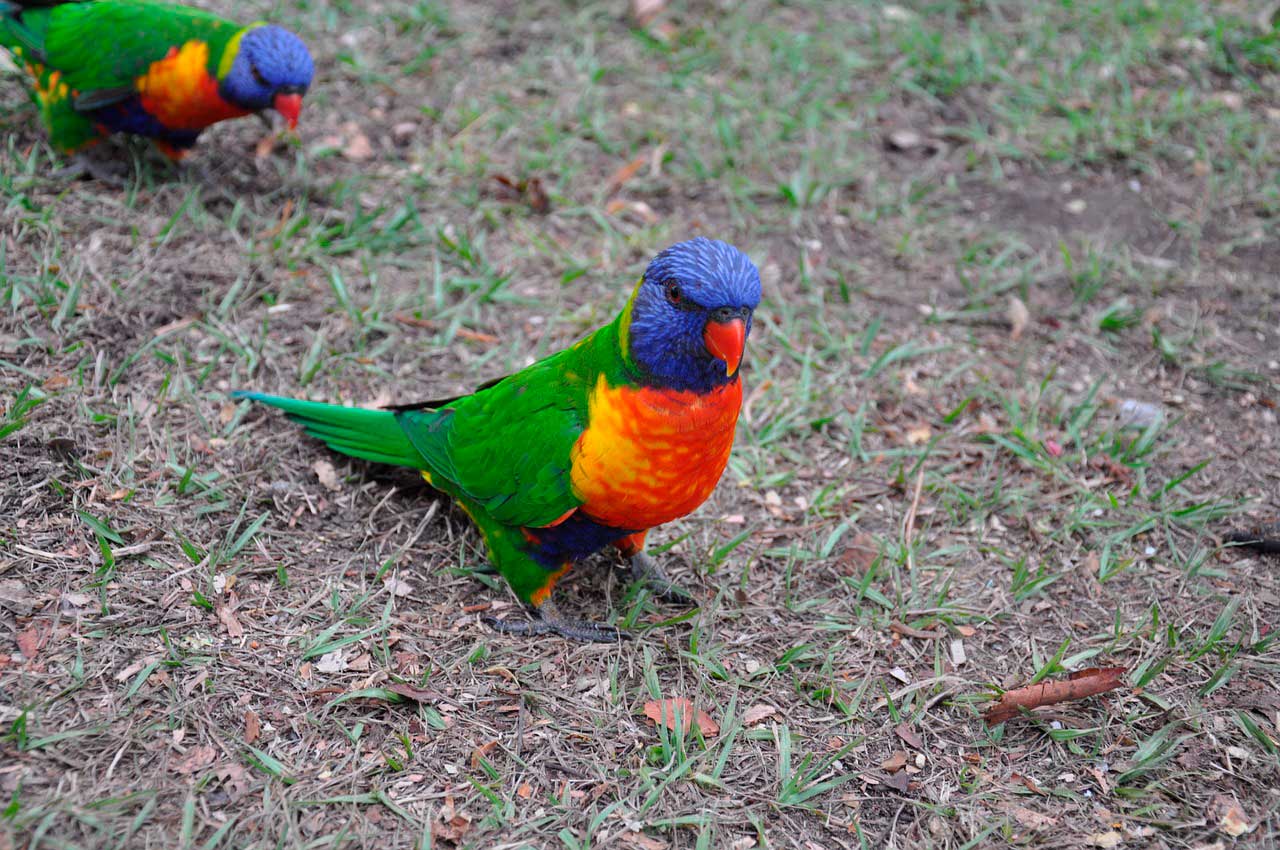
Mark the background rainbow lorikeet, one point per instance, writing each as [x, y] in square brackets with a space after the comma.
[628, 429]
[152, 69]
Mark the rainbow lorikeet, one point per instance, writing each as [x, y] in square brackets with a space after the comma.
[152, 69]
[628, 429]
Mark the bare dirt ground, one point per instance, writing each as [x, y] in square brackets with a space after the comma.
[989, 232]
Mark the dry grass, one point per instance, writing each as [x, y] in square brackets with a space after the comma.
[198, 634]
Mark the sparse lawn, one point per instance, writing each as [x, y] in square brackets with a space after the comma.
[198, 626]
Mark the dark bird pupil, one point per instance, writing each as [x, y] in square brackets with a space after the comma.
[673, 293]
[257, 75]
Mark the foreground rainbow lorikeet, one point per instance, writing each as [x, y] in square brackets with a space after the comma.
[152, 69]
[626, 430]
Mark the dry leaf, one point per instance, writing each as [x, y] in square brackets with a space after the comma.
[910, 736]
[1107, 839]
[415, 693]
[1018, 316]
[480, 754]
[15, 597]
[29, 643]
[664, 714]
[1028, 783]
[620, 177]
[327, 475]
[196, 758]
[525, 791]
[757, 714]
[358, 148]
[1081, 684]
[900, 781]
[642, 841]
[895, 762]
[331, 662]
[858, 557]
[529, 191]
[252, 727]
[1031, 819]
[644, 11]
[265, 146]
[1231, 818]
[229, 622]
[919, 434]
[451, 830]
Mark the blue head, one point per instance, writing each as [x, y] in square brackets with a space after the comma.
[270, 69]
[691, 315]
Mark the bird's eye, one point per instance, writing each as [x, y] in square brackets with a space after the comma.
[674, 295]
[257, 75]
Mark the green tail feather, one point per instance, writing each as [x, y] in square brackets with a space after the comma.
[373, 435]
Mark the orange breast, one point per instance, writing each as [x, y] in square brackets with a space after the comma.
[179, 91]
[650, 456]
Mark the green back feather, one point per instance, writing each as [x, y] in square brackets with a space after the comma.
[506, 450]
[369, 434]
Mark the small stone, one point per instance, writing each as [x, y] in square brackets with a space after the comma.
[905, 140]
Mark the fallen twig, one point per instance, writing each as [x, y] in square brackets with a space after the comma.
[1081, 684]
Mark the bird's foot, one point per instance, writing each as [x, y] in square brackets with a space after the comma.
[645, 570]
[547, 620]
[111, 172]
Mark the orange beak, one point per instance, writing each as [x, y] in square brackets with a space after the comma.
[290, 106]
[726, 340]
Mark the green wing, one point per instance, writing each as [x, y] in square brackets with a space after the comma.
[102, 47]
[508, 448]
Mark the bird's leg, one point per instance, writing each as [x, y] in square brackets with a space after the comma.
[645, 570]
[547, 620]
[108, 172]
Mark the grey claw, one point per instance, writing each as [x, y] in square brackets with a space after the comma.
[547, 620]
[646, 571]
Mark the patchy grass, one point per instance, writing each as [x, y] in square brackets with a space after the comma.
[206, 646]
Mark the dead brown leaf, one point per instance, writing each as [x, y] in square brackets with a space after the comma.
[358, 148]
[229, 622]
[620, 177]
[919, 434]
[528, 191]
[895, 762]
[197, 758]
[909, 735]
[16, 597]
[1081, 684]
[858, 557]
[900, 781]
[265, 145]
[664, 714]
[327, 475]
[642, 841]
[1018, 316]
[29, 643]
[1231, 818]
[452, 830]
[1030, 819]
[758, 714]
[415, 693]
[644, 11]
[480, 754]
[1028, 783]
[252, 727]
